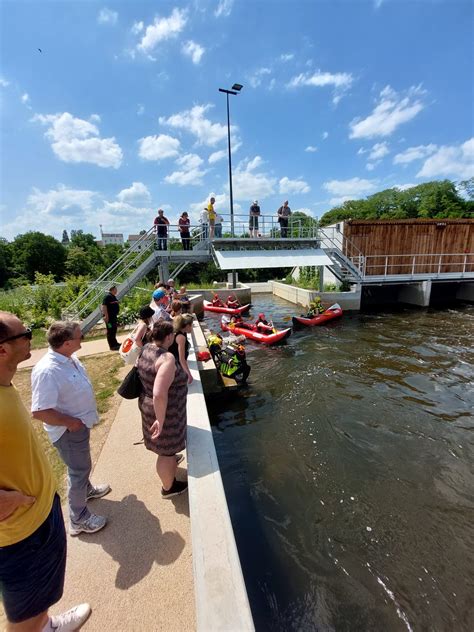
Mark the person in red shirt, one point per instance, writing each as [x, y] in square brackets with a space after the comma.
[183, 226]
[232, 302]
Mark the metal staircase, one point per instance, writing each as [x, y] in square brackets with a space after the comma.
[346, 266]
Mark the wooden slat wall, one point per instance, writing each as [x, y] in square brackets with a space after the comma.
[409, 237]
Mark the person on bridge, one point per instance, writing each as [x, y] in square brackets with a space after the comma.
[110, 309]
[212, 217]
[183, 226]
[204, 220]
[162, 405]
[161, 224]
[218, 226]
[62, 398]
[253, 219]
[284, 213]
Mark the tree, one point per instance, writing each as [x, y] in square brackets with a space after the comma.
[65, 238]
[6, 270]
[34, 252]
[77, 262]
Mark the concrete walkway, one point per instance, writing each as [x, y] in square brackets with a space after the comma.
[136, 573]
[91, 347]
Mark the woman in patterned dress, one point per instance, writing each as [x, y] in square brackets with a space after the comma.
[162, 404]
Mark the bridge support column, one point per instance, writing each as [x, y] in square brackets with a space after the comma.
[321, 278]
[416, 294]
[164, 271]
[465, 292]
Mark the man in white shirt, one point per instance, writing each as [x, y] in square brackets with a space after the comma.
[63, 399]
[204, 219]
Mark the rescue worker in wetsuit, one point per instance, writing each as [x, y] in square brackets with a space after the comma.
[233, 363]
[216, 301]
[315, 308]
[232, 302]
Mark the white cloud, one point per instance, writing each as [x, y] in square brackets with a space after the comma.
[224, 8]
[293, 186]
[190, 174]
[404, 187]
[4, 83]
[311, 148]
[362, 151]
[60, 201]
[216, 156]
[256, 79]
[140, 109]
[25, 99]
[189, 161]
[370, 166]
[138, 192]
[76, 140]
[325, 135]
[340, 81]
[348, 189]
[456, 161]
[414, 153]
[250, 185]
[287, 56]
[158, 147]
[107, 16]
[137, 27]
[378, 151]
[162, 29]
[194, 51]
[391, 111]
[194, 121]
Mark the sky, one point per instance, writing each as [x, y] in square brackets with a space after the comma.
[110, 111]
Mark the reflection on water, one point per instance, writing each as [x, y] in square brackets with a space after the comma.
[348, 467]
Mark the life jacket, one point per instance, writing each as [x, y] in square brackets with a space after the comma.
[231, 361]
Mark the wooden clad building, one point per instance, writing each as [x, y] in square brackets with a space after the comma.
[415, 246]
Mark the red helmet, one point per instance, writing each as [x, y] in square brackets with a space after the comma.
[261, 316]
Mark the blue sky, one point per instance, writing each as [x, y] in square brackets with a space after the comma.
[120, 114]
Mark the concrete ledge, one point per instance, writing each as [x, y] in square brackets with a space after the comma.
[299, 296]
[220, 593]
[242, 292]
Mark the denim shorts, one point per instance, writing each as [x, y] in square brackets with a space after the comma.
[32, 571]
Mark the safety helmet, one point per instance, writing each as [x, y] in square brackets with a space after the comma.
[261, 316]
[317, 299]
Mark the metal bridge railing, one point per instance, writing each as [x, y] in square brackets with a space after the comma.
[413, 264]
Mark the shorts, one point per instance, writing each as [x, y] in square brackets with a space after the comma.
[212, 222]
[32, 571]
[253, 222]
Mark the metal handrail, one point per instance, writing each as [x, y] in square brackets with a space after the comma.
[414, 263]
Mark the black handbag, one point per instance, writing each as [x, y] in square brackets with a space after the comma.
[131, 386]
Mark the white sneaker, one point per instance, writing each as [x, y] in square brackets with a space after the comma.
[69, 621]
[98, 491]
[91, 525]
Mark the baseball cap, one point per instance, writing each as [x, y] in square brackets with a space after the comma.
[157, 294]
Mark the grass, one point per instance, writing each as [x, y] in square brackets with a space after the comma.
[103, 372]
[39, 337]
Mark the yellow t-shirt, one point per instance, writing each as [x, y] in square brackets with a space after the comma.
[23, 467]
[211, 211]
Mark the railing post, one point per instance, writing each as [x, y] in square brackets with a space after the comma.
[413, 265]
[386, 265]
[464, 264]
[439, 264]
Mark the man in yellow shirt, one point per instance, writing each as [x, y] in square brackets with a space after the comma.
[32, 534]
[212, 217]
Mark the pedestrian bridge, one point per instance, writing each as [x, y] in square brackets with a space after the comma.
[305, 245]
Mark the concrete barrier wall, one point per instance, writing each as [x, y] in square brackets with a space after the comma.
[299, 296]
[221, 597]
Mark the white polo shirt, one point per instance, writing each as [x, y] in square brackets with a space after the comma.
[62, 383]
[160, 313]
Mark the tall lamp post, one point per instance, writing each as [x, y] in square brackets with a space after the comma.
[236, 88]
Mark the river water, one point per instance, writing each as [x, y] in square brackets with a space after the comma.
[348, 469]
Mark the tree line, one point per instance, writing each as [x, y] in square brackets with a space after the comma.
[439, 199]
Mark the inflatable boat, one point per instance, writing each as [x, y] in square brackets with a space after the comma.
[335, 311]
[252, 333]
[209, 307]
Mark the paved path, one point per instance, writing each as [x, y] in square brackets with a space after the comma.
[137, 573]
[91, 347]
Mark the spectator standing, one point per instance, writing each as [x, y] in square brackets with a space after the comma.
[183, 325]
[284, 213]
[110, 311]
[162, 405]
[183, 227]
[161, 224]
[32, 535]
[159, 304]
[212, 217]
[253, 219]
[204, 219]
[218, 226]
[63, 399]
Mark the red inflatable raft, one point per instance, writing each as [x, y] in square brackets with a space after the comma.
[208, 306]
[251, 332]
[335, 311]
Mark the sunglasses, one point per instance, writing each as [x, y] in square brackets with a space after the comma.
[25, 334]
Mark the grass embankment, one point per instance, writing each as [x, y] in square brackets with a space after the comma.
[103, 372]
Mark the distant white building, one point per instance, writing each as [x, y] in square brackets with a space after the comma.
[133, 239]
[112, 238]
